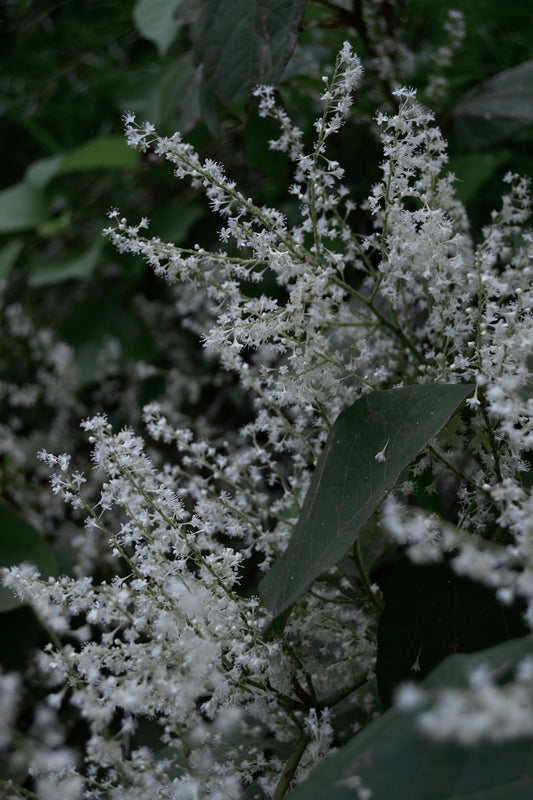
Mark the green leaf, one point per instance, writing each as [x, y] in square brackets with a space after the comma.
[156, 20]
[87, 331]
[104, 152]
[430, 612]
[394, 760]
[474, 170]
[497, 109]
[56, 270]
[508, 94]
[349, 483]
[22, 207]
[20, 542]
[245, 42]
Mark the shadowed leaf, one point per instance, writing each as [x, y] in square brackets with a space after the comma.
[156, 20]
[430, 612]
[104, 152]
[245, 42]
[79, 266]
[394, 760]
[22, 207]
[508, 94]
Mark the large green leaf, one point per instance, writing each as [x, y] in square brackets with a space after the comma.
[394, 760]
[508, 94]
[349, 482]
[23, 206]
[156, 20]
[245, 42]
[20, 542]
[103, 152]
[497, 109]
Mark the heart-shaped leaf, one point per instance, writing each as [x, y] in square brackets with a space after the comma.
[370, 444]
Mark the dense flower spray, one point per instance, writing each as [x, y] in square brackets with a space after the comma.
[171, 643]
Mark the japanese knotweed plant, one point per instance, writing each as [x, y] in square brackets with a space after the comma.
[191, 686]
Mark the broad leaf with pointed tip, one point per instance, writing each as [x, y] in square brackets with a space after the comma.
[350, 482]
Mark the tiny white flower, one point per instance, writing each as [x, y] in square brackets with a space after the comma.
[416, 666]
[473, 401]
[381, 457]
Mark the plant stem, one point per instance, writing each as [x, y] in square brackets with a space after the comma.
[331, 700]
[299, 749]
[365, 580]
[290, 767]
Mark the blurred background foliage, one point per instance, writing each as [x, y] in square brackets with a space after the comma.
[84, 329]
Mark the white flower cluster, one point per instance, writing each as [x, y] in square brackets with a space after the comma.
[483, 712]
[170, 640]
[170, 637]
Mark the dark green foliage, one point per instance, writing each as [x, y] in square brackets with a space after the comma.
[245, 42]
[394, 760]
[69, 71]
[430, 613]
